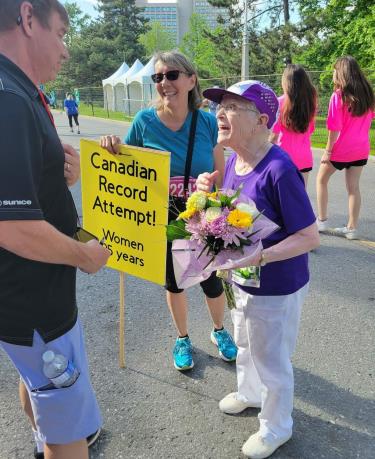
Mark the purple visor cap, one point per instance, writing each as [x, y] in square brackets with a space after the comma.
[255, 91]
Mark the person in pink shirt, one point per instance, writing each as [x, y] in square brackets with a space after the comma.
[296, 121]
[350, 113]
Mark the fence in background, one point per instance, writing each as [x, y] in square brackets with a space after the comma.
[93, 101]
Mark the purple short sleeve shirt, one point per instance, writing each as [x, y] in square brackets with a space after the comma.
[277, 188]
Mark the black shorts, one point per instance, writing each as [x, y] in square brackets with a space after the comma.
[307, 169]
[212, 287]
[346, 165]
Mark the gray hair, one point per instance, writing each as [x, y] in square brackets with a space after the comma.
[179, 61]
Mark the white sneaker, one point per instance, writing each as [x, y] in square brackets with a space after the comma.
[71, 130]
[231, 405]
[258, 447]
[322, 225]
[349, 233]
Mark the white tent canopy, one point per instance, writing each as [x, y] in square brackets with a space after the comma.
[144, 75]
[134, 69]
[109, 95]
[120, 71]
[141, 89]
[120, 88]
[130, 90]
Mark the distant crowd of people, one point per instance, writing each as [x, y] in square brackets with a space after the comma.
[270, 140]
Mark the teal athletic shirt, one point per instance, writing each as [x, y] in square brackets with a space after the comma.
[148, 131]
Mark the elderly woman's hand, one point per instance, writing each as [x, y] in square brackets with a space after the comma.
[206, 181]
[72, 168]
[111, 143]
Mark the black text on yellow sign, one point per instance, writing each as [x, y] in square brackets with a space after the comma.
[125, 201]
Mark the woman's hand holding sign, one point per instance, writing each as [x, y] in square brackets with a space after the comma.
[111, 143]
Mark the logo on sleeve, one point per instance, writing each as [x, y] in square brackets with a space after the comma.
[15, 202]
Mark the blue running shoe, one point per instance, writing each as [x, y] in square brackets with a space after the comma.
[225, 344]
[183, 354]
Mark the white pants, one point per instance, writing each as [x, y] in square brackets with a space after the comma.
[265, 331]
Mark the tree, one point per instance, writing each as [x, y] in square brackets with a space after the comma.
[334, 28]
[268, 46]
[78, 22]
[157, 39]
[200, 49]
[227, 38]
[122, 23]
[98, 48]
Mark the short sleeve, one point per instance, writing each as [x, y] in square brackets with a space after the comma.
[134, 136]
[335, 113]
[293, 201]
[21, 157]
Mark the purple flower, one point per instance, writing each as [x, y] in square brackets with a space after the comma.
[228, 192]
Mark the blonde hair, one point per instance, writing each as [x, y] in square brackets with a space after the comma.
[178, 61]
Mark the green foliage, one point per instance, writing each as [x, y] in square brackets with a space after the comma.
[122, 24]
[78, 23]
[326, 30]
[336, 28]
[176, 230]
[157, 39]
[98, 48]
[227, 39]
[100, 112]
[197, 46]
[267, 48]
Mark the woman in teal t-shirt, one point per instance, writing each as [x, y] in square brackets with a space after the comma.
[166, 127]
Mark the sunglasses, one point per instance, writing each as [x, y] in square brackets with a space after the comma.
[171, 75]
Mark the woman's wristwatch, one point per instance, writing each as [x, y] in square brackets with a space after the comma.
[262, 260]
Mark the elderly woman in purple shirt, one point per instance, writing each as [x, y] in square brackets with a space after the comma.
[266, 318]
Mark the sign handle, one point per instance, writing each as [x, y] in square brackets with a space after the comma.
[122, 322]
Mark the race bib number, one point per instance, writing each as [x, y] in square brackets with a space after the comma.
[176, 186]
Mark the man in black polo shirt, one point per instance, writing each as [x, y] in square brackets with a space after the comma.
[38, 257]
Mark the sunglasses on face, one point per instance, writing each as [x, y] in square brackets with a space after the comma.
[171, 75]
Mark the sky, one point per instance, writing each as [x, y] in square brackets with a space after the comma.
[87, 6]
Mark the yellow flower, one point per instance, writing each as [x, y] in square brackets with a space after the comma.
[186, 214]
[212, 195]
[197, 201]
[239, 219]
[249, 209]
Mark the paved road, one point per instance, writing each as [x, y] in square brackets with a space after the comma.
[150, 410]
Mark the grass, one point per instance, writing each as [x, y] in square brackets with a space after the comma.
[318, 139]
[100, 112]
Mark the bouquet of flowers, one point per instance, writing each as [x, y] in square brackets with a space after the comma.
[219, 231]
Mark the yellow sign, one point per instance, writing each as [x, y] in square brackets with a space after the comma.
[125, 201]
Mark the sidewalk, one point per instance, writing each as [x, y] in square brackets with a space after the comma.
[152, 411]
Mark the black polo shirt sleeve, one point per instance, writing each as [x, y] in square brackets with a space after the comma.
[22, 161]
